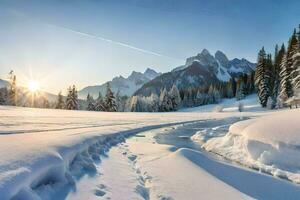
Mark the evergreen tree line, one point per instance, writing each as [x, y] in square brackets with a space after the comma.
[107, 103]
[277, 77]
[173, 99]
[165, 102]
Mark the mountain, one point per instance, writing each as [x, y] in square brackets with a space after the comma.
[125, 86]
[199, 70]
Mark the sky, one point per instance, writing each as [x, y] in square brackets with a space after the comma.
[65, 42]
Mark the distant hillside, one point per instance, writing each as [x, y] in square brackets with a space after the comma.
[125, 86]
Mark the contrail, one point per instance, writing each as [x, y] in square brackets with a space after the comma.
[113, 42]
[95, 36]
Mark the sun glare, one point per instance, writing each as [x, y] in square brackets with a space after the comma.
[33, 86]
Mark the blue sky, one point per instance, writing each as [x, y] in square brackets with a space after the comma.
[88, 42]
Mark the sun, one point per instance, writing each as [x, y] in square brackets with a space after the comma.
[33, 86]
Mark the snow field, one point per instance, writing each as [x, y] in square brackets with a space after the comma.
[44, 150]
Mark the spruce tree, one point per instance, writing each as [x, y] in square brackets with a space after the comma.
[99, 105]
[285, 84]
[262, 78]
[175, 97]
[90, 103]
[296, 67]
[12, 93]
[75, 98]
[110, 102]
[278, 56]
[165, 101]
[60, 102]
[291, 50]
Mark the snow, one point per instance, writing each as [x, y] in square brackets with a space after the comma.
[42, 150]
[222, 73]
[168, 178]
[181, 173]
[59, 154]
[269, 144]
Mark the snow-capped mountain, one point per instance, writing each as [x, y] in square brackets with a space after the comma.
[199, 70]
[125, 86]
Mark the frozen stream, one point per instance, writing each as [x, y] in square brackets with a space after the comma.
[149, 165]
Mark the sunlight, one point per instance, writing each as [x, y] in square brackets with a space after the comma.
[33, 86]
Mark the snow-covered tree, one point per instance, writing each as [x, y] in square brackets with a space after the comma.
[110, 101]
[90, 103]
[296, 67]
[99, 104]
[72, 99]
[262, 78]
[154, 101]
[278, 56]
[60, 104]
[175, 97]
[12, 91]
[165, 101]
[285, 83]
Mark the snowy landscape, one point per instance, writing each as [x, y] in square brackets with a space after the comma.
[56, 154]
[149, 100]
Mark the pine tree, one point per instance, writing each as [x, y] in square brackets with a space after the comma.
[278, 56]
[12, 93]
[284, 82]
[291, 50]
[99, 105]
[75, 98]
[296, 67]
[175, 97]
[72, 99]
[110, 102]
[165, 101]
[91, 103]
[262, 78]
[60, 102]
[69, 100]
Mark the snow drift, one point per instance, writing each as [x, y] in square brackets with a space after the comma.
[270, 144]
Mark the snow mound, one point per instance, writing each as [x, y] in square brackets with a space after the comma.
[270, 144]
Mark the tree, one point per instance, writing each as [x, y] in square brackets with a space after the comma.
[99, 104]
[110, 102]
[262, 78]
[72, 99]
[91, 103]
[165, 101]
[296, 67]
[60, 104]
[75, 98]
[3, 96]
[284, 82]
[175, 97]
[278, 56]
[12, 92]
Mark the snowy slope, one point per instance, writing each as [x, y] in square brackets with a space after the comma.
[270, 144]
